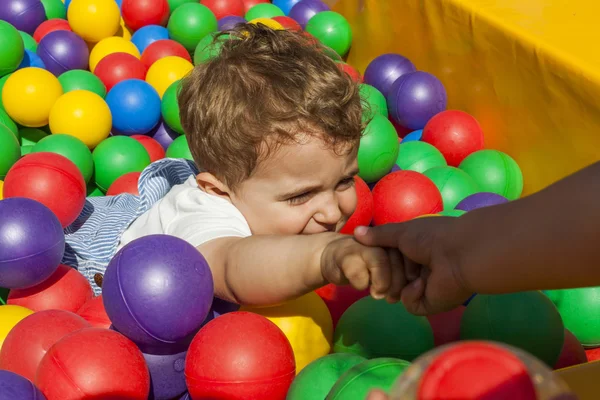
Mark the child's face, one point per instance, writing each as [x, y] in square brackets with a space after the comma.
[301, 189]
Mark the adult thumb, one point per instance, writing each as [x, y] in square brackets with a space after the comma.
[381, 236]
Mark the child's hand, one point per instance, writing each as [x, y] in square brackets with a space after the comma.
[431, 267]
[345, 261]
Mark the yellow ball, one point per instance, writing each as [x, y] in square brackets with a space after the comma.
[9, 317]
[427, 216]
[307, 324]
[167, 70]
[124, 31]
[111, 45]
[82, 114]
[1, 186]
[29, 94]
[271, 23]
[94, 20]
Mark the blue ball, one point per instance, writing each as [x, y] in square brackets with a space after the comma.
[285, 5]
[119, 3]
[135, 107]
[147, 35]
[67, 4]
[414, 136]
[31, 59]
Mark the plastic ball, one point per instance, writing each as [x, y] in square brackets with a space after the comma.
[31, 59]
[572, 352]
[304, 10]
[229, 22]
[415, 98]
[452, 213]
[11, 48]
[378, 149]
[30, 136]
[375, 328]
[38, 176]
[248, 4]
[263, 10]
[446, 326]
[124, 31]
[268, 22]
[316, 380]
[224, 8]
[10, 152]
[413, 136]
[118, 67]
[150, 293]
[78, 79]
[170, 108]
[55, 9]
[94, 20]
[339, 298]
[593, 354]
[210, 47]
[24, 15]
[527, 320]
[288, 23]
[332, 30]
[29, 94]
[138, 14]
[285, 5]
[306, 323]
[117, 365]
[63, 51]
[385, 69]
[454, 184]
[51, 25]
[9, 317]
[111, 45]
[167, 378]
[71, 148]
[14, 386]
[135, 107]
[32, 337]
[166, 71]
[480, 200]
[180, 148]
[189, 23]
[9, 123]
[28, 41]
[1, 197]
[115, 157]
[374, 100]
[496, 172]
[240, 356]
[165, 136]
[173, 4]
[82, 114]
[152, 146]
[419, 157]
[93, 312]
[161, 49]
[148, 35]
[363, 214]
[127, 183]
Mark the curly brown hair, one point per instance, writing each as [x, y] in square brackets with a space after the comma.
[265, 87]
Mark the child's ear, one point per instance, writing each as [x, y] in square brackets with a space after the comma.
[212, 185]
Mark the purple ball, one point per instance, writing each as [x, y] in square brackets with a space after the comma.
[25, 15]
[304, 10]
[415, 98]
[185, 396]
[229, 22]
[480, 200]
[13, 386]
[62, 51]
[32, 243]
[383, 71]
[163, 134]
[167, 379]
[157, 290]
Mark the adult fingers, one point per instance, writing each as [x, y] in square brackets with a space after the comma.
[398, 279]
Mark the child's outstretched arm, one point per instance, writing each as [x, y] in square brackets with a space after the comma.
[548, 240]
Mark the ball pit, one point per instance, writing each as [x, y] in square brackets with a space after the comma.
[271, 23]
[419, 156]
[71, 148]
[24, 15]
[229, 22]
[479, 200]
[31, 59]
[339, 298]
[179, 148]
[248, 4]
[285, 5]
[62, 51]
[117, 156]
[170, 107]
[385, 69]
[494, 171]
[118, 67]
[149, 34]
[378, 149]
[263, 10]
[48, 26]
[454, 184]
[29, 42]
[82, 80]
[374, 100]
[191, 22]
[332, 30]
[94, 20]
[164, 136]
[93, 312]
[135, 107]
[127, 183]
[161, 49]
[210, 46]
[166, 375]
[111, 45]
[225, 8]
[167, 70]
[16, 387]
[139, 14]
[152, 146]
[304, 10]
[10, 151]
[288, 23]
[11, 48]
[55, 9]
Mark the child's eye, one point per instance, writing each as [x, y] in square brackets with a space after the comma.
[299, 199]
[346, 183]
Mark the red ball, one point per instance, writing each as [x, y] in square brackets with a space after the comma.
[288, 23]
[66, 289]
[94, 363]
[118, 67]
[404, 195]
[455, 134]
[154, 149]
[339, 298]
[29, 340]
[593, 354]
[446, 326]
[50, 25]
[139, 13]
[239, 356]
[248, 4]
[364, 208]
[161, 49]
[127, 183]
[572, 352]
[50, 179]
[350, 70]
[223, 8]
[93, 312]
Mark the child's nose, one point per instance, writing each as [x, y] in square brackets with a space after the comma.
[329, 212]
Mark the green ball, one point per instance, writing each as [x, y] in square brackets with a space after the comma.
[2, 82]
[209, 47]
[179, 148]
[374, 99]
[93, 191]
[10, 151]
[55, 9]
[12, 48]
[173, 4]
[78, 79]
[28, 41]
[452, 213]
[454, 184]
[26, 150]
[318, 377]
[9, 123]
[419, 156]
[357, 382]
[378, 149]
[30, 136]
[375, 328]
[580, 311]
[3, 296]
[527, 320]
[263, 10]
[117, 156]
[70, 147]
[189, 23]
[170, 108]
[494, 171]
[332, 30]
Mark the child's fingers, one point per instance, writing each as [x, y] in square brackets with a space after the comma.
[378, 264]
[356, 272]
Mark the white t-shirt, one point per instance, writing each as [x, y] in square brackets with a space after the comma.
[190, 214]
